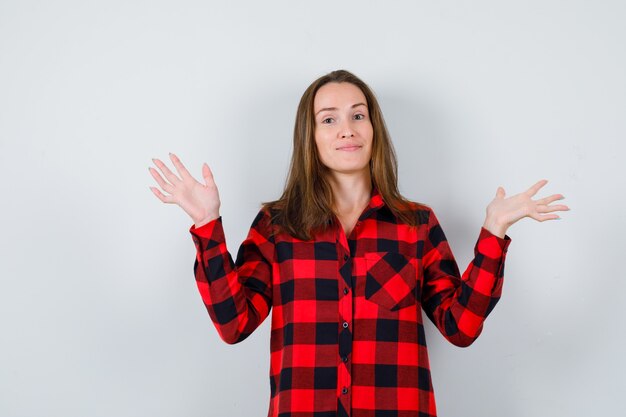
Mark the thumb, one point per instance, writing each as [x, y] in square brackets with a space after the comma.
[500, 193]
[207, 174]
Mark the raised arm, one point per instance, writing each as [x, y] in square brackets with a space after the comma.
[459, 304]
[237, 295]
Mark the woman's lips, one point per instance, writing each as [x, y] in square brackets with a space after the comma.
[349, 148]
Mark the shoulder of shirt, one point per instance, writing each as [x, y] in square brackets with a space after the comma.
[264, 221]
[264, 214]
[422, 210]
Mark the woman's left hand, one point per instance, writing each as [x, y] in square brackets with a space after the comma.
[503, 212]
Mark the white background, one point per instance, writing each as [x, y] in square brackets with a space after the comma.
[99, 312]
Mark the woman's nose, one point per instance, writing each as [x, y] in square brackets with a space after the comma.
[346, 131]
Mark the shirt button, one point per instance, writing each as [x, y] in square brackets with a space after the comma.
[344, 358]
[344, 390]
[346, 291]
[345, 324]
[345, 257]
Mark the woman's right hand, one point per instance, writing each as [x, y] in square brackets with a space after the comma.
[200, 201]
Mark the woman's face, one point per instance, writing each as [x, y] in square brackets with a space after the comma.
[343, 130]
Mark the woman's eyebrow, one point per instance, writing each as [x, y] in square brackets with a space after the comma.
[335, 108]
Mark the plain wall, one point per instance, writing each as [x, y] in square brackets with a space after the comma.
[99, 311]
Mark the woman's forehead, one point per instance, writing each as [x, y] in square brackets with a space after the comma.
[337, 95]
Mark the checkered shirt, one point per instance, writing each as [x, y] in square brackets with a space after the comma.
[347, 334]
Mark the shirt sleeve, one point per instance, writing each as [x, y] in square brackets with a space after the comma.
[458, 305]
[237, 295]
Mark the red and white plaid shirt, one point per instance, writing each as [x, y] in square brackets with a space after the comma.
[347, 335]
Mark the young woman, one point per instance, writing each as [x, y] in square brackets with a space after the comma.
[347, 264]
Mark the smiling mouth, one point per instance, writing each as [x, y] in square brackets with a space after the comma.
[349, 148]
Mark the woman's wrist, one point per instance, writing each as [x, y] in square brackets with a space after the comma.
[495, 227]
[206, 220]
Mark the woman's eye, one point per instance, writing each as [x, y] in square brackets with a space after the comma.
[327, 120]
[359, 116]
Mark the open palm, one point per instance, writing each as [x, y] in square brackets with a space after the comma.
[200, 201]
[503, 212]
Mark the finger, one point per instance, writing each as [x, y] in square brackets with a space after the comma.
[542, 218]
[500, 193]
[550, 199]
[182, 171]
[171, 177]
[533, 190]
[164, 185]
[161, 196]
[550, 209]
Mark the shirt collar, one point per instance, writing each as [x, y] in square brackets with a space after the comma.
[376, 202]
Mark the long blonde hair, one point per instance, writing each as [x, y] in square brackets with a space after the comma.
[307, 200]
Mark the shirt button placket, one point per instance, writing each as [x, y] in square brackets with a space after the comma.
[345, 338]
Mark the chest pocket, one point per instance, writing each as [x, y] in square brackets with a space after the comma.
[390, 280]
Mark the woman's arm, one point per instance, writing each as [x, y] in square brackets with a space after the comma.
[237, 295]
[459, 304]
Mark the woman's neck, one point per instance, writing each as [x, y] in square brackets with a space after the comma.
[351, 193]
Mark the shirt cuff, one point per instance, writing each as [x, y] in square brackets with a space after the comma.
[492, 245]
[206, 230]
[209, 238]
